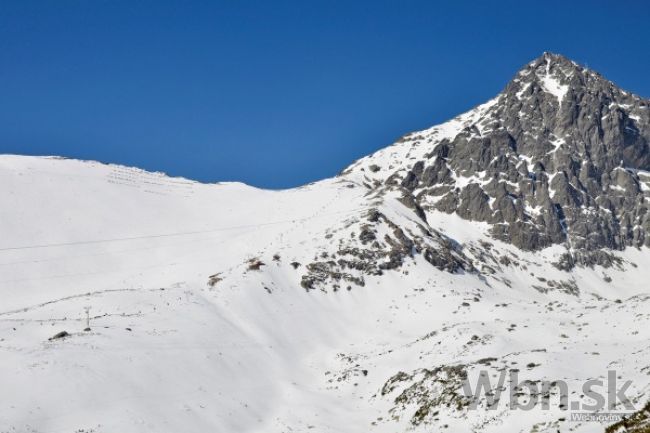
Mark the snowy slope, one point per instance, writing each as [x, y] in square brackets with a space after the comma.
[256, 352]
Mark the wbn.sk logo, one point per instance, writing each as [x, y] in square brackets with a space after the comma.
[527, 395]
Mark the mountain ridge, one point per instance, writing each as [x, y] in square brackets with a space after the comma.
[531, 133]
[353, 304]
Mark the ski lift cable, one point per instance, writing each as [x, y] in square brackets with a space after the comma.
[166, 235]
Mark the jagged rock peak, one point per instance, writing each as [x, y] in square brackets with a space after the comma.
[563, 78]
[561, 156]
[550, 63]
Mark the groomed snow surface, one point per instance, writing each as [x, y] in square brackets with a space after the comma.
[167, 352]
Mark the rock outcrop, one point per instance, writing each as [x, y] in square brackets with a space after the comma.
[561, 156]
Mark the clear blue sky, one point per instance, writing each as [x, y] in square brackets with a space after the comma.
[278, 93]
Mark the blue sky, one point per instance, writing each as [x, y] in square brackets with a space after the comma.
[278, 93]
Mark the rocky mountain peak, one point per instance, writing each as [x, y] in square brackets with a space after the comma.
[551, 67]
[561, 156]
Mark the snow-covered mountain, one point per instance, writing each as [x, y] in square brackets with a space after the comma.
[512, 238]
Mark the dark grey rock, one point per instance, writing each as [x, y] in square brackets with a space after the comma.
[545, 167]
[60, 335]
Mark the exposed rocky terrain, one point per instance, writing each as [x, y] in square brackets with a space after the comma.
[561, 156]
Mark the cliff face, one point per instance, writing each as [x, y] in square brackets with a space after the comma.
[560, 156]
